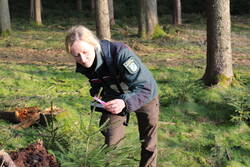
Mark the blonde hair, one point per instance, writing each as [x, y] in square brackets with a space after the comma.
[81, 33]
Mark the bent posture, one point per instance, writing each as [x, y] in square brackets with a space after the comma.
[128, 86]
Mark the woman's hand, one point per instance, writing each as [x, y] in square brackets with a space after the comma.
[115, 106]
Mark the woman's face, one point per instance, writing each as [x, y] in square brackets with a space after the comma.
[83, 52]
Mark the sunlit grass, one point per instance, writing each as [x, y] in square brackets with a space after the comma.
[195, 127]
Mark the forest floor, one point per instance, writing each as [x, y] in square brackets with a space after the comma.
[183, 43]
[198, 127]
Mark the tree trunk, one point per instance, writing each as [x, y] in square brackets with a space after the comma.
[32, 9]
[141, 19]
[102, 19]
[151, 16]
[79, 5]
[38, 18]
[5, 24]
[219, 54]
[177, 12]
[111, 12]
[93, 7]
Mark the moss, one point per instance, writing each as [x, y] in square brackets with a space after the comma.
[142, 35]
[236, 83]
[158, 32]
[5, 33]
[234, 164]
[36, 24]
[224, 81]
[219, 80]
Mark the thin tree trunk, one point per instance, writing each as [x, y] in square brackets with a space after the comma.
[177, 12]
[79, 5]
[219, 54]
[151, 16]
[102, 19]
[38, 18]
[141, 19]
[111, 12]
[93, 7]
[5, 24]
[32, 9]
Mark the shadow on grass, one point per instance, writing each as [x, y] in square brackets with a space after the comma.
[214, 112]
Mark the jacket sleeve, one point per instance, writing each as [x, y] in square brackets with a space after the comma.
[138, 78]
[95, 87]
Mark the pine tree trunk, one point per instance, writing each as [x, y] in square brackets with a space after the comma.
[141, 19]
[38, 18]
[219, 54]
[93, 7]
[32, 9]
[5, 24]
[151, 16]
[79, 5]
[177, 12]
[111, 12]
[102, 19]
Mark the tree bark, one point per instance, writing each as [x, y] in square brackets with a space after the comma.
[5, 24]
[141, 19]
[111, 12]
[151, 16]
[32, 9]
[93, 7]
[102, 19]
[38, 17]
[79, 5]
[219, 54]
[177, 12]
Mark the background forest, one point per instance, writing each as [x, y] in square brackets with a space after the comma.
[199, 126]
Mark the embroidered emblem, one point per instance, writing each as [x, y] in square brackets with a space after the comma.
[131, 66]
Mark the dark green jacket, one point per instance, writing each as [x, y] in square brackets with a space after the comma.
[136, 80]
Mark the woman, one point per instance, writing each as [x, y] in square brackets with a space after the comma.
[128, 86]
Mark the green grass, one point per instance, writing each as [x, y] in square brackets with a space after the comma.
[195, 127]
[24, 85]
[34, 39]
